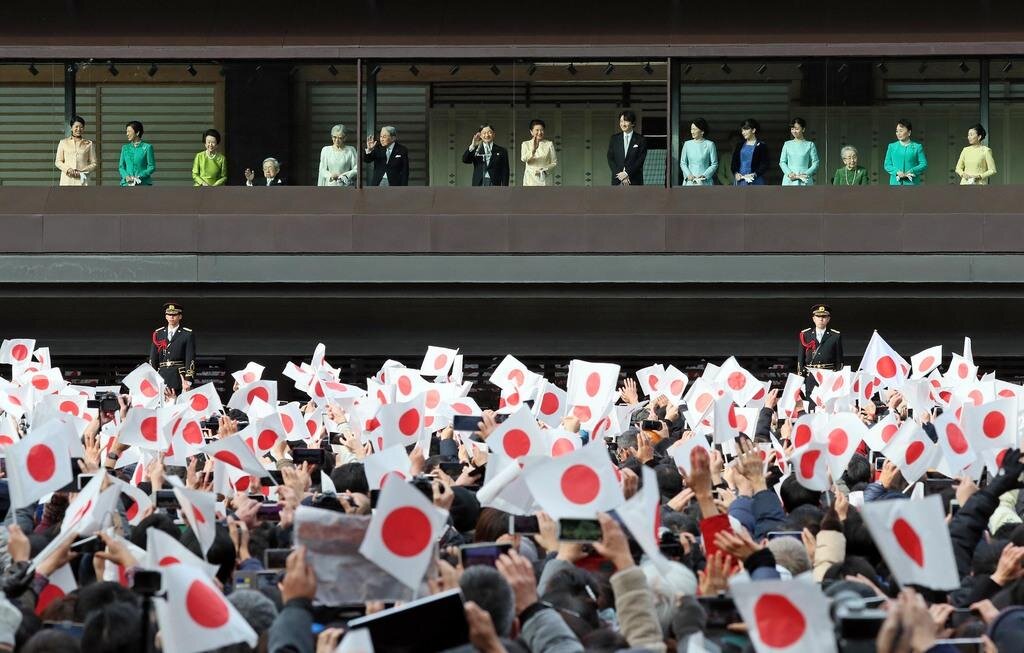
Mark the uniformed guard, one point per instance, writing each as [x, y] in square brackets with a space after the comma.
[820, 348]
[173, 350]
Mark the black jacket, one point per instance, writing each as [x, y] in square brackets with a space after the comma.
[498, 167]
[827, 352]
[181, 348]
[632, 162]
[758, 163]
[396, 168]
[262, 181]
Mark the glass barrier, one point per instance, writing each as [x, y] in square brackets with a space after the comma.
[31, 123]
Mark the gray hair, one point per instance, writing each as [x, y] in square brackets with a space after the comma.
[338, 129]
[790, 554]
[390, 129]
[487, 588]
[848, 148]
[272, 161]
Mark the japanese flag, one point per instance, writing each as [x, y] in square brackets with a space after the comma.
[790, 616]
[882, 432]
[228, 480]
[551, 403]
[563, 442]
[810, 466]
[408, 383]
[578, 484]
[142, 428]
[202, 401]
[59, 584]
[792, 392]
[233, 451]
[145, 386]
[957, 452]
[252, 373]
[673, 384]
[960, 371]
[402, 533]
[17, 350]
[91, 507]
[591, 384]
[37, 465]
[913, 538]
[8, 431]
[883, 362]
[267, 431]
[681, 449]
[400, 423]
[188, 432]
[641, 514]
[246, 394]
[701, 398]
[923, 362]
[162, 550]
[379, 466]
[199, 511]
[74, 405]
[44, 382]
[140, 501]
[992, 425]
[511, 373]
[438, 361]
[725, 421]
[844, 434]
[519, 436]
[651, 379]
[460, 406]
[291, 420]
[194, 616]
[510, 399]
[738, 381]
[911, 450]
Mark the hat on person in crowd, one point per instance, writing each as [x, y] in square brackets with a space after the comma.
[172, 308]
[1007, 631]
[257, 610]
[821, 310]
[689, 617]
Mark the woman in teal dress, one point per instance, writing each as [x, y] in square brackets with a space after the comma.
[799, 160]
[136, 164]
[904, 159]
[699, 159]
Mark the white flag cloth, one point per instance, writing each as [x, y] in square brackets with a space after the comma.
[992, 425]
[913, 538]
[407, 383]
[246, 394]
[956, 450]
[650, 379]
[591, 384]
[141, 429]
[233, 451]
[882, 432]
[162, 550]
[203, 401]
[17, 350]
[402, 533]
[519, 436]
[641, 514]
[785, 616]
[845, 432]
[378, 466]
[438, 361]
[252, 373]
[511, 373]
[37, 465]
[91, 507]
[911, 450]
[739, 382]
[882, 361]
[401, 423]
[194, 616]
[145, 386]
[725, 422]
[681, 450]
[551, 403]
[140, 501]
[810, 466]
[960, 371]
[923, 362]
[578, 484]
[791, 395]
[199, 511]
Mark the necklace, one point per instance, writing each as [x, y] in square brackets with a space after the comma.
[846, 178]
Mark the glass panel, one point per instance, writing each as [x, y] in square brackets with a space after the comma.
[325, 97]
[31, 123]
[1006, 120]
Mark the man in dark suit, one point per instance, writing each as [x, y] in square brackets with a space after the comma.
[821, 348]
[627, 152]
[390, 159]
[490, 160]
[271, 174]
[173, 350]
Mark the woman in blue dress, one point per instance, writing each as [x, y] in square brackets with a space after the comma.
[799, 160]
[750, 158]
[699, 159]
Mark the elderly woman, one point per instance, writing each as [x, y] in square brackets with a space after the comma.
[539, 156]
[976, 164]
[799, 158]
[210, 167]
[137, 163]
[271, 173]
[337, 161]
[76, 156]
[698, 160]
[850, 174]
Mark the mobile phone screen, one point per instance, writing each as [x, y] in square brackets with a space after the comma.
[486, 553]
[523, 524]
[579, 530]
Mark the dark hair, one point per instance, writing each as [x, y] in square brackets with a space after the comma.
[798, 121]
[750, 123]
[630, 116]
[537, 121]
[51, 641]
[793, 495]
[113, 629]
[350, 477]
[487, 588]
[486, 125]
[701, 124]
[75, 119]
[136, 125]
[212, 132]
[490, 525]
[905, 123]
[222, 552]
[161, 521]
[95, 596]
[979, 130]
[858, 470]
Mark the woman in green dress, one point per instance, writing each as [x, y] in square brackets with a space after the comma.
[136, 164]
[210, 167]
[850, 174]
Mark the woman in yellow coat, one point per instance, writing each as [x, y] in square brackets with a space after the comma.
[976, 164]
[539, 156]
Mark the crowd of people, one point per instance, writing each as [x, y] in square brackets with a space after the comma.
[642, 512]
[905, 160]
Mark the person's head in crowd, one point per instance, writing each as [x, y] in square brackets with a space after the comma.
[790, 554]
[858, 472]
[804, 516]
[625, 441]
[688, 618]
[113, 628]
[670, 483]
[794, 495]
[491, 526]
[580, 613]
[257, 610]
[51, 641]
[465, 510]
[668, 583]
[350, 477]
[99, 594]
[604, 640]
[851, 566]
[487, 588]
[986, 557]
[161, 521]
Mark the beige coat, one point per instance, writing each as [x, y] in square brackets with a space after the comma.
[72, 155]
[543, 161]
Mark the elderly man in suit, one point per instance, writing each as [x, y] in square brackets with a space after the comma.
[490, 160]
[390, 159]
[627, 151]
[271, 174]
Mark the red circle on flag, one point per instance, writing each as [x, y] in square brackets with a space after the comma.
[925, 364]
[549, 403]
[40, 382]
[266, 439]
[148, 429]
[652, 381]
[41, 463]
[956, 439]
[1007, 393]
[381, 397]
[462, 409]
[147, 389]
[287, 422]
[440, 362]
[737, 381]
[962, 370]
[206, 606]
[593, 384]
[888, 431]
[976, 397]
[886, 367]
[409, 422]
[676, 387]
[838, 441]
[733, 422]
[802, 435]
[198, 515]
[838, 383]
[259, 392]
[909, 540]
[780, 624]
[516, 443]
[1000, 456]
[582, 413]
[248, 377]
[580, 484]
[994, 424]
[242, 484]
[311, 426]
[199, 403]
[433, 399]
[741, 423]
[132, 510]
[914, 451]
[166, 561]
[19, 352]
[517, 377]
[69, 407]
[513, 399]
[561, 447]
[229, 458]
[192, 433]
[6, 440]
[404, 385]
[808, 462]
[406, 531]
[703, 401]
